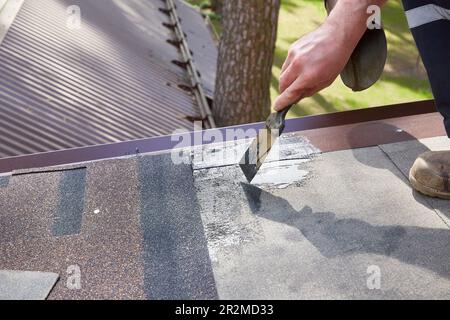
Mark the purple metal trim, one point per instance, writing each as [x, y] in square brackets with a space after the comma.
[162, 143]
[361, 115]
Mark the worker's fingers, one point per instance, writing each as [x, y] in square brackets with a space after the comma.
[289, 76]
[287, 63]
[294, 93]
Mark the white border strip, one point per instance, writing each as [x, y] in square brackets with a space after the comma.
[426, 14]
[8, 13]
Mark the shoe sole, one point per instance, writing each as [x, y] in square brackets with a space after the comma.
[427, 190]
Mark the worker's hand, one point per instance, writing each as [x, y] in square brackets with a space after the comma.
[315, 61]
[312, 64]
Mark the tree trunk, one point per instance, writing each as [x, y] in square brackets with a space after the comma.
[245, 61]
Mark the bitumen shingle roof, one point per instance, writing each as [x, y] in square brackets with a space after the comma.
[142, 227]
[110, 80]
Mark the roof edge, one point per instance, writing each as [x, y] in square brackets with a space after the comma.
[164, 143]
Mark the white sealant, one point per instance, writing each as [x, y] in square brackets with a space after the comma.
[281, 174]
[288, 147]
[284, 166]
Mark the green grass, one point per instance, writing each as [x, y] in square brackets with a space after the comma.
[404, 78]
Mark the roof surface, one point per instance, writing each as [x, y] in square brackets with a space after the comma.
[142, 227]
[111, 80]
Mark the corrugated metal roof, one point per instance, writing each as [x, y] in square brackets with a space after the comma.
[112, 80]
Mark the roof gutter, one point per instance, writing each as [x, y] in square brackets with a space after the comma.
[188, 62]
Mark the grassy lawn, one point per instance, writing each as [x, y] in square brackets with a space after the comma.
[404, 78]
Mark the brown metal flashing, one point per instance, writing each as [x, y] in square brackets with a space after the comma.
[363, 115]
[373, 133]
[329, 132]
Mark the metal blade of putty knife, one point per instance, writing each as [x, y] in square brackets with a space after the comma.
[260, 147]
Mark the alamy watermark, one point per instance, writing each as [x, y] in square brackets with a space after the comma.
[226, 142]
[374, 20]
[374, 280]
[73, 277]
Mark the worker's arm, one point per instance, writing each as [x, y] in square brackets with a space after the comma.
[316, 59]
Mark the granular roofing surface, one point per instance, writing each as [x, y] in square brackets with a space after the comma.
[144, 228]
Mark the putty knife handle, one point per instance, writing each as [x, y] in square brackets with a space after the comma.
[277, 120]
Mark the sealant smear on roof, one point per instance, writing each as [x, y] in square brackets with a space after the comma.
[176, 258]
[281, 174]
[61, 168]
[284, 166]
[228, 222]
[288, 147]
[70, 208]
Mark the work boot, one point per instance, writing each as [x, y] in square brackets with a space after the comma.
[368, 59]
[430, 174]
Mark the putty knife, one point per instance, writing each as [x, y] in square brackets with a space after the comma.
[261, 146]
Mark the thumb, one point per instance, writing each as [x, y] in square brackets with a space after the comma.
[290, 96]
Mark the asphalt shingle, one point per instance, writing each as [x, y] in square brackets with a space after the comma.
[108, 247]
[153, 229]
[403, 154]
[4, 181]
[71, 203]
[176, 258]
[26, 285]
[353, 214]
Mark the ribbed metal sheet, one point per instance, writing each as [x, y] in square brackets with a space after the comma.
[112, 80]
